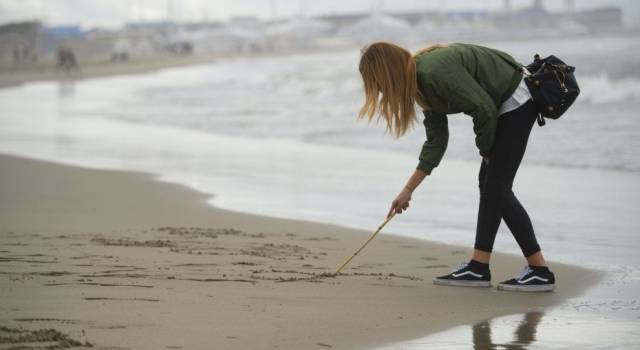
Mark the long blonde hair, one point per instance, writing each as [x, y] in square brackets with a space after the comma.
[391, 86]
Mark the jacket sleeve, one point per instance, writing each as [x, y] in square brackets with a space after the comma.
[466, 95]
[437, 139]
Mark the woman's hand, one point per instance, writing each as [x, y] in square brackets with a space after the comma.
[401, 203]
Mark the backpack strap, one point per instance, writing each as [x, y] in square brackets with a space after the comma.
[526, 73]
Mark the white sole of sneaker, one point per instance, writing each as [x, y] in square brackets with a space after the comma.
[535, 288]
[472, 284]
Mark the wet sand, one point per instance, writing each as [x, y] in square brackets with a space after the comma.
[46, 71]
[116, 259]
[15, 75]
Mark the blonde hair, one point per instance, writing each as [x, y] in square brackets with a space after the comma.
[391, 86]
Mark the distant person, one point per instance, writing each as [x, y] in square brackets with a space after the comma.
[477, 81]
[66, 59]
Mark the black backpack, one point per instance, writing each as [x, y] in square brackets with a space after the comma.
[552, 85]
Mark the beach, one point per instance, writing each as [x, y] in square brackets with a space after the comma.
[47, 71]
[12, 75]
[202, 207]
[120, 260]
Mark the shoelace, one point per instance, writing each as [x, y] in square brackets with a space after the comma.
[461, 266]
[525, 271]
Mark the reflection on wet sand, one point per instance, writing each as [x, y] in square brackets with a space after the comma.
[558, 329]
[524, 335]
[66, 88]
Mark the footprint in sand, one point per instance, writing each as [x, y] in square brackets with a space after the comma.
[433, 266]
[407, 246]
[428, 258]
[133, 299]
[19, 338]
[125, 242]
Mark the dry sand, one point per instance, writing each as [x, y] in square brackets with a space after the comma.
[118, 260]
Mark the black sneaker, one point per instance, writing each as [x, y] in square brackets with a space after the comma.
[466, 275]
[530, 279]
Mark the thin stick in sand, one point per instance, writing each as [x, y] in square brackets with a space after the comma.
[365, 243]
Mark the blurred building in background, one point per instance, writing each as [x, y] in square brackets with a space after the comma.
[19, 42]
[29, 42]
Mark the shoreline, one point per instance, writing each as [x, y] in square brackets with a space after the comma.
[46, 71]
[111, 246]
[13, 76]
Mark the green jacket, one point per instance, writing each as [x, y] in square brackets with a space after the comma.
[466, 78]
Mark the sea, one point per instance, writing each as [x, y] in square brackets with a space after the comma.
[278, 135]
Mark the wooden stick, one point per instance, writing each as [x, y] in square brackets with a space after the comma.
[365, 243]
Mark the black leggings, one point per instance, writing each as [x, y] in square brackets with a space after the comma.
[497, 200]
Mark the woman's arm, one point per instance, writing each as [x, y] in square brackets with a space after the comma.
[432, 151]
[437, 132]
[415, 180]
[401, 202]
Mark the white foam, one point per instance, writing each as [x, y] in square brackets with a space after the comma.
[601, 89]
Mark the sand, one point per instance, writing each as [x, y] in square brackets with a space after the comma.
[114, 259]
[46, 71]
[14, 75]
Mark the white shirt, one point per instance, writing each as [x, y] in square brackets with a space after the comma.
[518, 98]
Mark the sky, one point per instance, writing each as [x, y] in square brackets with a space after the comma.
[113, 13]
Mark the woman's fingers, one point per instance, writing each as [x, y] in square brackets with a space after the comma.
[398, 206]
[394, 204]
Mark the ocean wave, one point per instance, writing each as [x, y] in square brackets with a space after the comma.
[601, 89]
